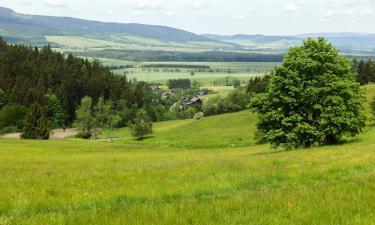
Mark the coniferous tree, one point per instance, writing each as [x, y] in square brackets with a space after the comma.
[27, 74]
[362, 79]
[36, 123]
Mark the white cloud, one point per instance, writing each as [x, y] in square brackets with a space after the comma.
[147, 5]
[292, 7]
[25, 2]
[56, 3]
[197, 6]
[170, 13]
[241, 16]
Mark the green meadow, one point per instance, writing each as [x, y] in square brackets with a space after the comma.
[208, 171]
[219, 70]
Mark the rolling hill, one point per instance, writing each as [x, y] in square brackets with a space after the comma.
[347, 42]
[93, 37]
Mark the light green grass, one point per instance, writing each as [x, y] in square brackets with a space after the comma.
[240, 70]
[190, 172]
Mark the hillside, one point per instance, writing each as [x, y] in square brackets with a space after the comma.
[187, 173]
[97, 38]
[351, 43]
[38, 26]
[211, 132]
[78, 34]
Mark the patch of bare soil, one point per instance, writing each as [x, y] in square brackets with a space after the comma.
[55, 134]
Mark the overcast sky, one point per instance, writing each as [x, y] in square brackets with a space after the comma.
[218, 16]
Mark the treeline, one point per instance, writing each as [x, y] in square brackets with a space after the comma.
[30, 75]
[180, 66]
[365, 71]
[120, 67]
[179, 83]
[166, 56]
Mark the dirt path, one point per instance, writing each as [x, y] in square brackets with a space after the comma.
[55, 134]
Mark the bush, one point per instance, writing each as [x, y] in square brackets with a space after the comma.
[199, 115]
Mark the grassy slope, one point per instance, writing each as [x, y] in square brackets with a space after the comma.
[195, 179]
[212, 132]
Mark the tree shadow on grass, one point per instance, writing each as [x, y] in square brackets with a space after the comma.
[281, 150]
[145, 138]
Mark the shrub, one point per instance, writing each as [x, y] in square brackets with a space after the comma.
[199, 115]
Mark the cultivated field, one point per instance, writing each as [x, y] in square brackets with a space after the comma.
[216, 72]
[190, 172]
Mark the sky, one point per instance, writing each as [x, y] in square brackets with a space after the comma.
[276, 17]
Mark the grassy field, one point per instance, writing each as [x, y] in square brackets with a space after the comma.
[239, 70]
[190, 172]
[123, 42]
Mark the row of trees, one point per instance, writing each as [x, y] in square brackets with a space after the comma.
[27, 74]
[179, 83]
[49, 85]
[365, 71]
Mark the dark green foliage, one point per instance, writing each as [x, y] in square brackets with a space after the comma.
[258, 84]
[27, 74]
[228, 81]
[180, 83]
[365, 71]
[312, 99]
[142, 125]
[236, 100]
[12, 116]
[2, 98]
[55, 111]
[36, 123]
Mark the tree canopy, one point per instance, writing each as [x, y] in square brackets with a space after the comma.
[312, 98]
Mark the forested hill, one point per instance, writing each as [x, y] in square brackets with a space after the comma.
[15, 25]
[27, 74]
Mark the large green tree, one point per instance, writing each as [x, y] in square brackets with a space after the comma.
[312, 99]
[36, 123]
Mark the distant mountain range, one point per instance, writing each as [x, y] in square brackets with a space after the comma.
[71, 34]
